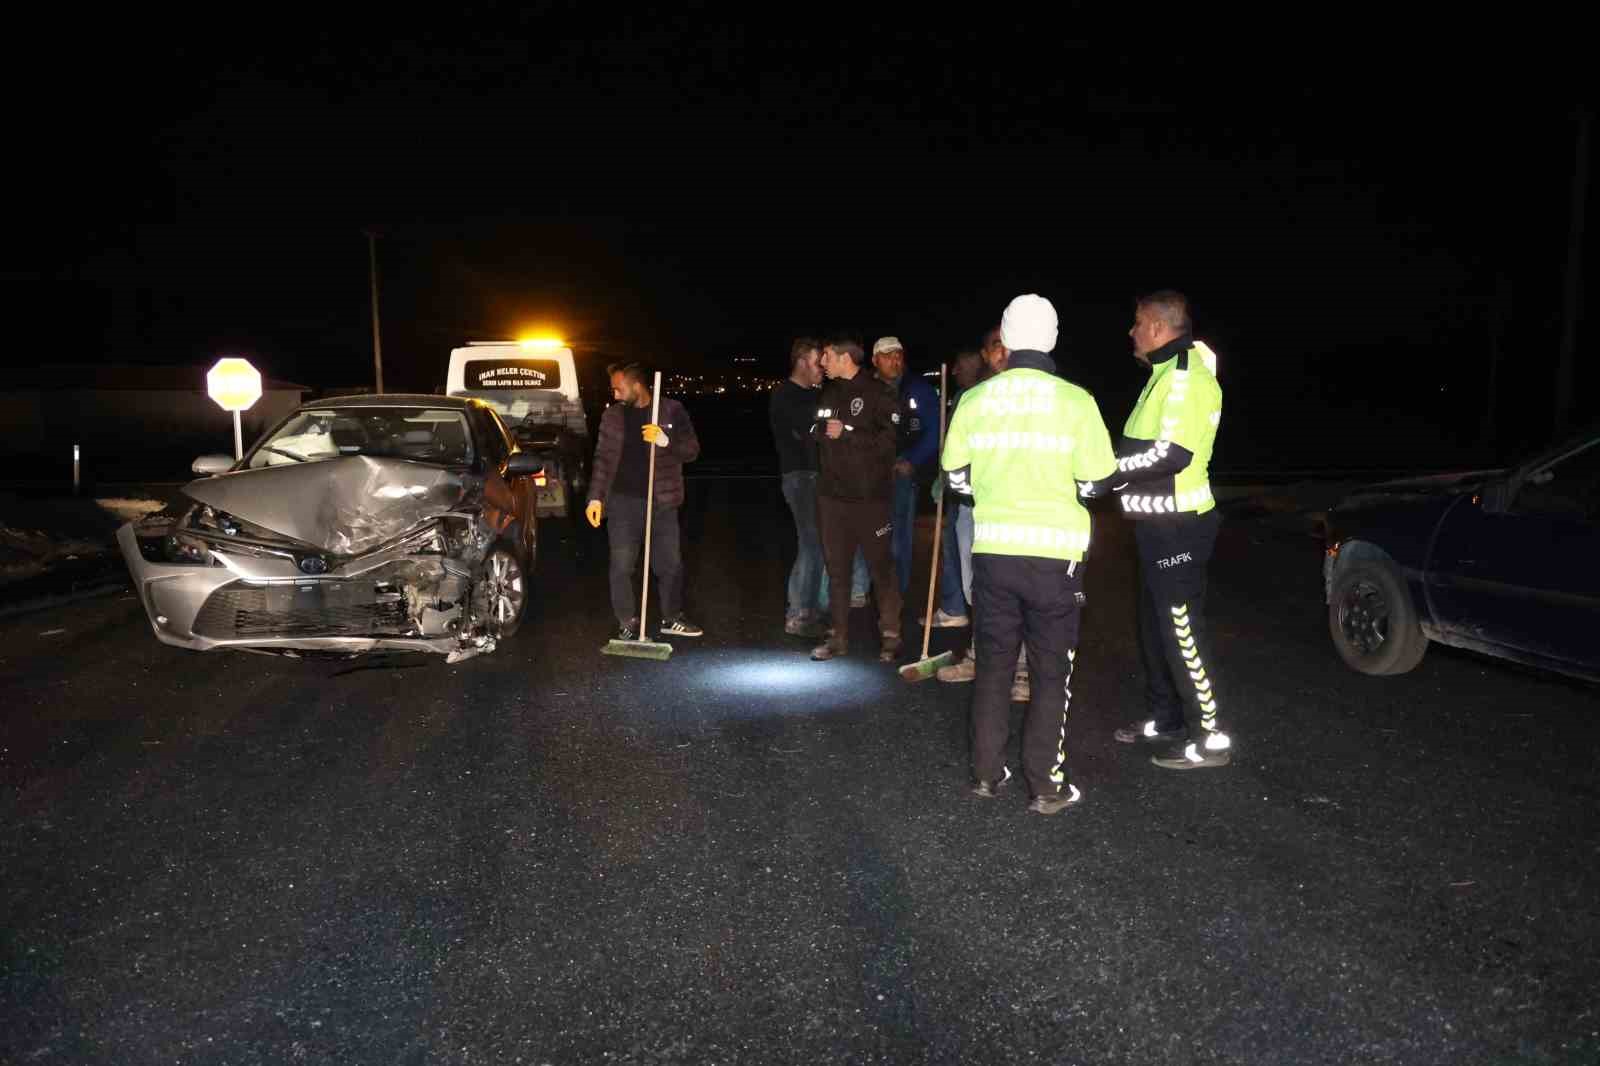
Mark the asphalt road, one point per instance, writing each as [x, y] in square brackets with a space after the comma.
[738, 856]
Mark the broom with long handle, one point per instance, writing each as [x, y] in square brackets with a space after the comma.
[642, 648]
[925, 667]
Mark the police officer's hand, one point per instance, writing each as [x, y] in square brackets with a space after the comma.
[654, 435]
[594, 512]
[835, 429]
[903, 468]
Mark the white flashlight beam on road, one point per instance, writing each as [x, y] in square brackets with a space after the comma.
[235, 385]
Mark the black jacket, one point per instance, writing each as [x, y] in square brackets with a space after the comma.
[792, 411]
[860, 464]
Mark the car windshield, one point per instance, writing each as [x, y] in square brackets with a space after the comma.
[423, 434]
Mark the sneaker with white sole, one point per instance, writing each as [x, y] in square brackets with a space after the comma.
[1067, 797]
[949, 621]
[1215, 750]
[682, 627]
[1021, 692]
[991, 789]
[1146, 732]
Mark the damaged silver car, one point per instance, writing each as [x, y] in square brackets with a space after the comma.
[387, 522]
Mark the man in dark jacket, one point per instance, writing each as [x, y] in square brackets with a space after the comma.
[617, 491]
[916, 445]
[855, 433]
[792, 411]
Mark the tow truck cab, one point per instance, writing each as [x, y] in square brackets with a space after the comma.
[534, 387]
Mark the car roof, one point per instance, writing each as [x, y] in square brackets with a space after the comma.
[396, 399]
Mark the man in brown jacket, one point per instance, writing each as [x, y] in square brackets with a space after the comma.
[617, 492]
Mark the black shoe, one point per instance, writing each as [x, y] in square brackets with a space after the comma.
[1067, 797]
[990, 789]
[681, 627]
[629, 630]
[1145, 732]
[1191, 756]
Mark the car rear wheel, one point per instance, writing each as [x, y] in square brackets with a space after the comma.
[1373, 621]
[500, 596]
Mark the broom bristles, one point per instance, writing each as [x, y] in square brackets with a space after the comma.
[923, 669]
[637, 649]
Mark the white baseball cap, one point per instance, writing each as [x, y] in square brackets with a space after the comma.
[887, 344]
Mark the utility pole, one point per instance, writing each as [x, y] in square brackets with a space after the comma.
[377, 339]
[1572, 293]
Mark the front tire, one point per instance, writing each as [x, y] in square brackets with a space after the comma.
[500, 595]
[1373, 620]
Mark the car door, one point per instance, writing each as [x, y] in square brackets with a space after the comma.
[500, 498]
[1524, 576]
[523, 490]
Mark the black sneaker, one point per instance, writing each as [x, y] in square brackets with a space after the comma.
[1191, 756]
[1145, 732]
[629, 630]
[1067, 797]
[990, 789]
[682, 627]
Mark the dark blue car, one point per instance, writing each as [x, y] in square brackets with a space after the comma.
[1504, 562]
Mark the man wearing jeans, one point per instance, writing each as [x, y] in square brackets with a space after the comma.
[1019, 443]
[916, 445]
[621, 475]
[955, 563]
[793, 410]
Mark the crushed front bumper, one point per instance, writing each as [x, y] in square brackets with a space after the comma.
[257, 600]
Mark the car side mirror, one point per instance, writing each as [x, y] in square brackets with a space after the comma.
[207, 465]
[524, 464]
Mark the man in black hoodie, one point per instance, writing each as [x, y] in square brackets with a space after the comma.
[855, 433]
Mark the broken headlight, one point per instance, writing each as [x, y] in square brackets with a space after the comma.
[207, 519]
[182, 548]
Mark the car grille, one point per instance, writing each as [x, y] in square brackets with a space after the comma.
[322, 610]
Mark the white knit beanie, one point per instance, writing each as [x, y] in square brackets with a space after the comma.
[1029, 323]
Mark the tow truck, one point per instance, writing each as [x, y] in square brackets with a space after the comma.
[533, 384]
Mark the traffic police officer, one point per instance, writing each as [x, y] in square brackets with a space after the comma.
[1018, 443]
[1162, 483]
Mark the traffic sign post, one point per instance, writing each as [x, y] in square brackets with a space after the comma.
[235, 385]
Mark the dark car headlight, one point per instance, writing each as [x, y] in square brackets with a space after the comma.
[208, 519]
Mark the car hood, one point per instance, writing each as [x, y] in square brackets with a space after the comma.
[1420, 488]
[342, 506]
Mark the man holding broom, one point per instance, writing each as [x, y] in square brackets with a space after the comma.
[1019, 444]
[618, 488]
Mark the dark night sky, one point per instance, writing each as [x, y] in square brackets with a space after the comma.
[1351, 211]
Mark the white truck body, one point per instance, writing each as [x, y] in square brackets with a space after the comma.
[534, 387]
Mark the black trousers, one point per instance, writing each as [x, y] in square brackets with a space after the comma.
[847, 525]
[1017, 601]
[1179, 667]
[625, 531]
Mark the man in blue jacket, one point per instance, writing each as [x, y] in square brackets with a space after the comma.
[916, 444]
